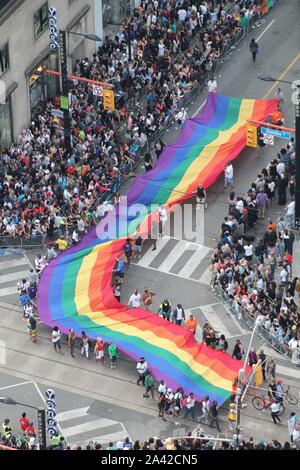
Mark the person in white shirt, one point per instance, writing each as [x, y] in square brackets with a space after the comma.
[280, 168]
[212, 85]
[75, 237]
[162, 388]
[182, 14]
[228, 175]
[56, 339]
[283, 276]
[40, 263]
[205, 410]
[135, 299]
[142, 368]
[190, 406]
[181, 117]
[248, 247]
[163, 218]
[290, 213]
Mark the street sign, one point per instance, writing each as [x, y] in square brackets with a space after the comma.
[98, 90]
[57, 112]
[276, 133]
[268, 139]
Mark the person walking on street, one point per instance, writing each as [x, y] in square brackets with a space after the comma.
[191, 324]
[178, 314]
[262, 358]
[135, 299]
[201, 197]
[214, 416]
[271, 369]
[228, 174]
[24, 422]
[149, 384]
[127, 248]
[56, 339]
[275, 408]
[84, 345]
[165, 309]
[253, 49]
[32, 324]
[232, 416]
[161, 407]
[146, 298]
[99, 351]
[252, 357]
[71, 341]
[238, 350]
[112, 351]
[142, 368]
[190, 406]
[291, 424]
[205, 410]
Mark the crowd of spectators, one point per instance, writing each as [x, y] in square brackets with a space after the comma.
[256, 273]
[173, 45]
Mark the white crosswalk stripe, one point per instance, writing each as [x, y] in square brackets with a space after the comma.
[216, 315]
[14, 266]
[80, 427]
[179, 258]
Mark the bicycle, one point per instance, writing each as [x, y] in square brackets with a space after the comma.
[262, 402]
[291, 399]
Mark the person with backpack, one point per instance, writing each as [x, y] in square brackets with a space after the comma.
[165, 309]
[253, 49]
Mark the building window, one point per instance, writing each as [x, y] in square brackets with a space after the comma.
[5, 124]
[43, 88]
[40, 20]
[4, 59]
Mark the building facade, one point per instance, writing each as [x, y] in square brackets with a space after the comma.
[24, 50]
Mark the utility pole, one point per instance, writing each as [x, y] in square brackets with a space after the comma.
[129, 40]
[297, 141]
[65, 90]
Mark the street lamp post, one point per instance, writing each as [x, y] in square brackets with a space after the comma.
[297, 142]
[41, 419]
[240, 386]
[65, 82]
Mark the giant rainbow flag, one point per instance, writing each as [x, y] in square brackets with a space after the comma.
[75, 288]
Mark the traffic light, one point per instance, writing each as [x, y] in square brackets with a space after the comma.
[251, 135]
[109, 100]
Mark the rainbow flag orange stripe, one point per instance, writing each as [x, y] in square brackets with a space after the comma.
[75, 288]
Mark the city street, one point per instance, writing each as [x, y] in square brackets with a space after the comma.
[97, 403]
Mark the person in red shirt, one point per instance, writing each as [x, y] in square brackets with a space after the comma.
[277, 118]
[24, 422]
[30, 431]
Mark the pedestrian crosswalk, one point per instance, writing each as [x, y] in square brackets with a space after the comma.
[80, 427]
[180, 258]
[216, 315]
[14, 266]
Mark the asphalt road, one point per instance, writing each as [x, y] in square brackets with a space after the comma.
[98, 396]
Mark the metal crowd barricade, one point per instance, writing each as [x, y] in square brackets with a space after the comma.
[242, 315]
